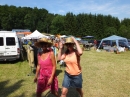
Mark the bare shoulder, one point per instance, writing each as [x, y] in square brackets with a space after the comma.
[51, 53]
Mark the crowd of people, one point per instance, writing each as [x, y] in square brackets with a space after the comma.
[48, 53]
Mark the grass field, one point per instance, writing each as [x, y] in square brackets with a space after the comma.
[105, 74]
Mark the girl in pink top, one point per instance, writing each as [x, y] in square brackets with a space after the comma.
[45, 72]
[73, 75]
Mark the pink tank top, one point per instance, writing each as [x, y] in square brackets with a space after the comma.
[45, 66]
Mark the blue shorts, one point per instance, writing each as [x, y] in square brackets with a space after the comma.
[74, 81]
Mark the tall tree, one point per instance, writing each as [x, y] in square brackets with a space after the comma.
[100, 26]
[57, 25]
[70, 24]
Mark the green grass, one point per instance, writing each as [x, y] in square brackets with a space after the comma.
[105, 74]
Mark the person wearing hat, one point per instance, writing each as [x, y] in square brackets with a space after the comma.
[73, 73]
[45, 72]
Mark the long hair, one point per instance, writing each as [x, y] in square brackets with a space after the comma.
[67, 51]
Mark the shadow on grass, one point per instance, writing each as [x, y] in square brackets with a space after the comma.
[58, 72]
[7, 90]
[71, 93]
[9, 62]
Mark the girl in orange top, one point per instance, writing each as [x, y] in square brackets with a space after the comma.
[73, 75]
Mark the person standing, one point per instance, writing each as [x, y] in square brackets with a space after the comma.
[95, 44]
[73, 72]
[45, 72]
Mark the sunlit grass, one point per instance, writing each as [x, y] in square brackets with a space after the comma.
[105, 74]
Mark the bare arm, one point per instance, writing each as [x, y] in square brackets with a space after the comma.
[53, 69]
[79, 50]
[60, 57]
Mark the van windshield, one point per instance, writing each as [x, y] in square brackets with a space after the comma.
[10, 41]
[1, 41]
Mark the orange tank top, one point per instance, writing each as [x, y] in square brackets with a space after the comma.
[72, 64]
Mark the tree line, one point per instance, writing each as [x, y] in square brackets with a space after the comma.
[82, 24]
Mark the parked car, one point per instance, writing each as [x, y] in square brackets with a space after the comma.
[124, 44]
[83, 41]
[87, 44]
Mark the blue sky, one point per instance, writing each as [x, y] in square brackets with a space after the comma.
[116, 8]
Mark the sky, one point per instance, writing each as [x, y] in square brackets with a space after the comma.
[115, 8]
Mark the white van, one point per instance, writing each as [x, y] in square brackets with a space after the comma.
[9, 46]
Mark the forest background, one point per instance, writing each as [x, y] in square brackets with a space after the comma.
[82, 24]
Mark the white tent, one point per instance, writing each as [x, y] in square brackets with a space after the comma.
[35, 35]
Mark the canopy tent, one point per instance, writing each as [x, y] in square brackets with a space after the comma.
[35, 35]
[114, 38]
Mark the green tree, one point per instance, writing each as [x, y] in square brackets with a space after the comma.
[110, 31]
[100, 26]
[42, 13]
[123, 31]
[57, 25]
[70, 24]
[48, 21]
